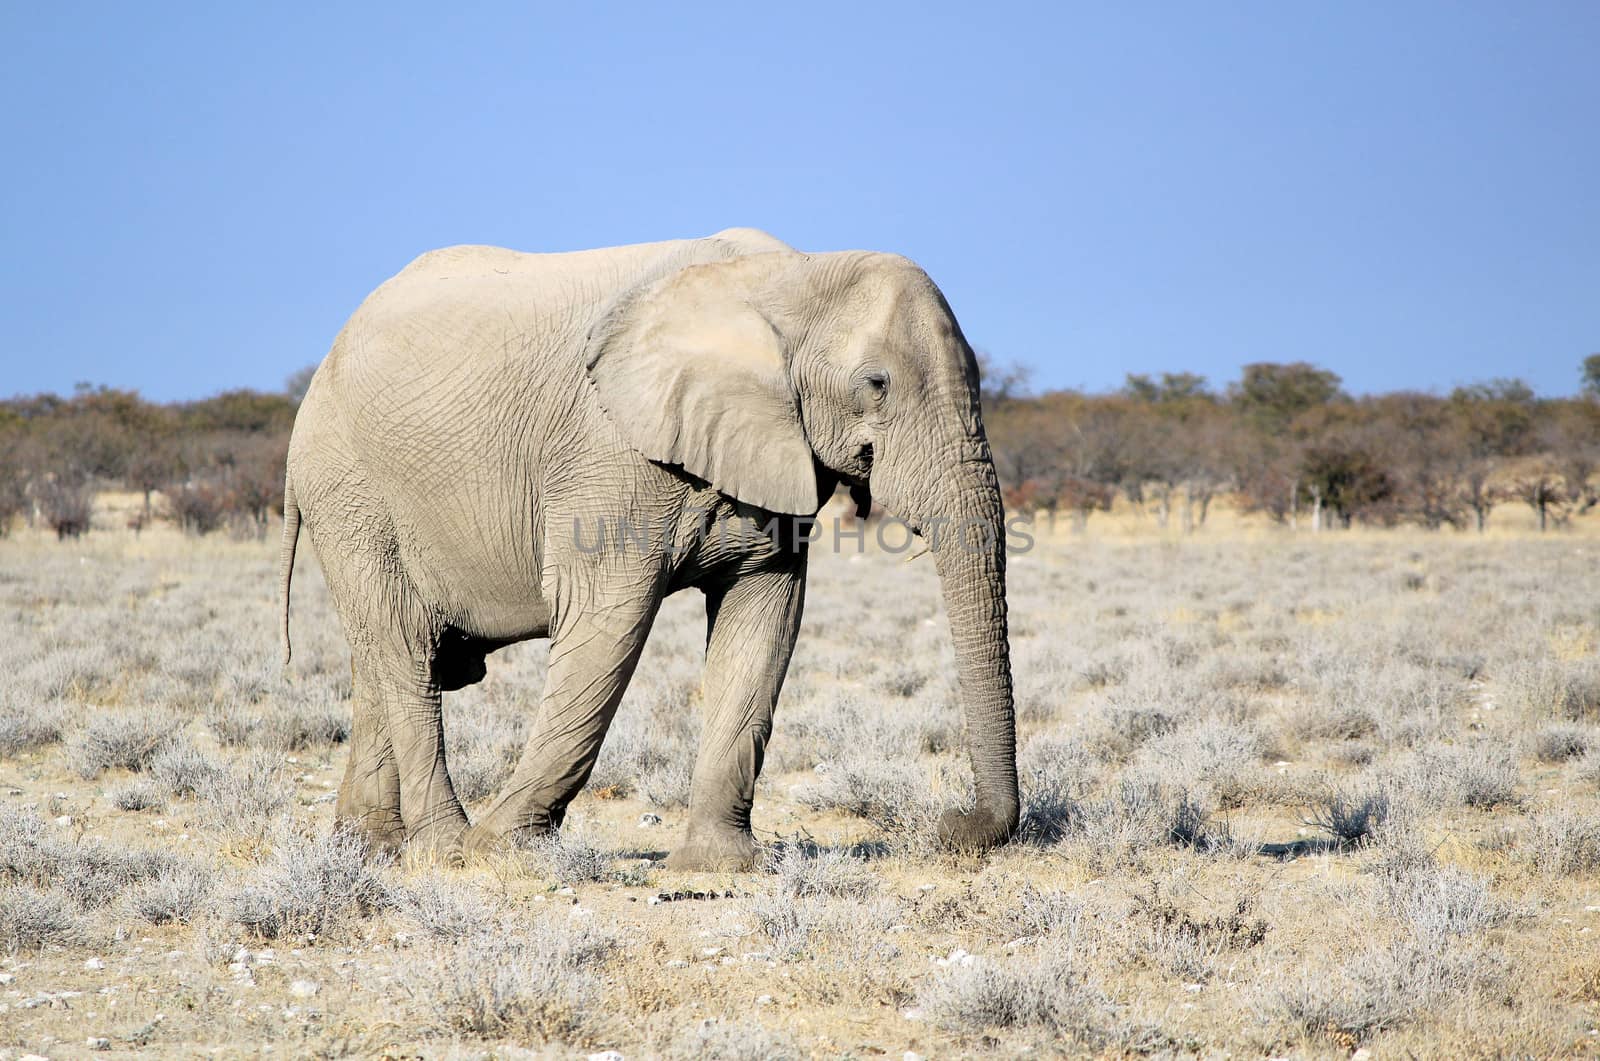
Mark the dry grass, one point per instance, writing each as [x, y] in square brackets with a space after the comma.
[1284, 794]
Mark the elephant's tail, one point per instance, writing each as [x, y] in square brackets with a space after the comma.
[291, 536]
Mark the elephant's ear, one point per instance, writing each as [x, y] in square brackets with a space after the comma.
[693, 374]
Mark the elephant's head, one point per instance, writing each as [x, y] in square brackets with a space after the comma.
[775, 375]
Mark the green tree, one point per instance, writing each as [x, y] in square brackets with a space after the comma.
[1171, 387]
[1591, 375]
[1271, 395]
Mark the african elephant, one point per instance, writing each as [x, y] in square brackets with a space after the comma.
[485, 409]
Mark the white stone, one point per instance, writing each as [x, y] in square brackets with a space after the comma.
[304, 988]
[763, 1000]
[649, 821]
[97, 1042]
[606, 1055]
[94, 964]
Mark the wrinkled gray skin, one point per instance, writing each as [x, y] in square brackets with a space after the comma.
[481, 401]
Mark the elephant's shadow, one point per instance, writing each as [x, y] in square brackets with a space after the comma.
[773, 850]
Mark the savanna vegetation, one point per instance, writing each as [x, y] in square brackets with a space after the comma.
[1284, 440]
[1284, 793]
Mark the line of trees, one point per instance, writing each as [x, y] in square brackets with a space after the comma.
[1284, 440]
[204, 465]
[1287, 441]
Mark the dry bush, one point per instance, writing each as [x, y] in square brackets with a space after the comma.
[26, 726]
[442, 906]
[127, 740]
[1560, 741]
[1044, 913]
[1563, 842]
[31, 918]
[568, 855]
[734, 1040]
[1548, 688]
[1055, 772]
[1384, 987]
[138, 794]
[895, 794]
[1211, 755]
[1353, 816]
[801, 928]
[88, 873]
[181, 769]
[1046, 989]
[805, 874]
[315, 886]
[523, 977]
[247, 797]
[650, 748]
[482, 747]
[178, 895]
[289, 728]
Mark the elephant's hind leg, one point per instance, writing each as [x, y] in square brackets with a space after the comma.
[369, 795]
[397, 757]
[414, 720]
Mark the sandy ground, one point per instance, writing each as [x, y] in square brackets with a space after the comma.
[1200, 716]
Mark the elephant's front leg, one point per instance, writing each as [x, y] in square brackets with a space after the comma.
[753, 623]
[595, 643]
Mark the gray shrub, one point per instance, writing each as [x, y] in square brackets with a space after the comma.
[178, 895]
[442, 906]
[310, 885]
[805, 874]
[1043, 990]
[523, 977]
[1563, 842]
[136, 795]
[25, 724]
[129, 740]
[1379, 989]
[32, 917]
[87, 872]
[1561, 741]
[247, 796]
[1353, 816]
[740, 1039]
[568, 855]
[181, 769]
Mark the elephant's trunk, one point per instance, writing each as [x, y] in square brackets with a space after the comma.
[971, 559]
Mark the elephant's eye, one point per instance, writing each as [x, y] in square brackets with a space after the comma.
[877, 385]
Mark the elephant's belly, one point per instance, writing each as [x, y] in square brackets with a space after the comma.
[482, 599]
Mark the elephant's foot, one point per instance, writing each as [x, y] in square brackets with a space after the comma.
[480, 842]
[380, 827]
[436, 845]
[977, 830]
[718, 848]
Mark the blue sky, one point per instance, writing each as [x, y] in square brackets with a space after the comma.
[195, 197]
